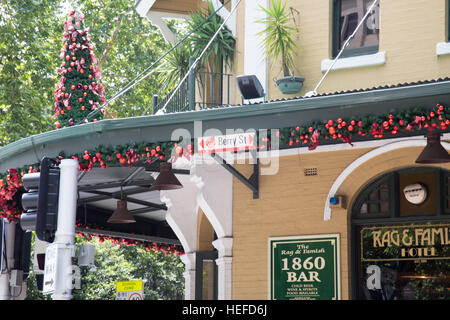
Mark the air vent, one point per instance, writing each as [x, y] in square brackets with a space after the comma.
[310, 172]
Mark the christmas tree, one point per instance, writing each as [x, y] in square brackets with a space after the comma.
[78, 92]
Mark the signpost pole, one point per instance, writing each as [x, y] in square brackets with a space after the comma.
[63, 246]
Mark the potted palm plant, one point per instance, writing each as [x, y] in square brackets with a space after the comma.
[279, 43]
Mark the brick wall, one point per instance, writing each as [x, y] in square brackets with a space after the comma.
[292, 204]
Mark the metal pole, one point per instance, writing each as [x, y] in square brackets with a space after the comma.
[7, 235]
[191, 85]
[65, 233]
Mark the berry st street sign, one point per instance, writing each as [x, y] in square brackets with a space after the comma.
[231, 142]
[130, 290]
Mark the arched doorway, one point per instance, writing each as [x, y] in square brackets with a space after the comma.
[401, 236]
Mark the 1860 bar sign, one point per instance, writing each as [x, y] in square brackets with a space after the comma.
[304, 267]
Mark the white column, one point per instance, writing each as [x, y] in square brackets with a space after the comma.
[65, 233]
[189, 275]
[9, 230]
[224, 265]
[255, 61]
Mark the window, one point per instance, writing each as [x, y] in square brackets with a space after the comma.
[347, 14]
[400, 236]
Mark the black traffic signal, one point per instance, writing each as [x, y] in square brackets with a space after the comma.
[22, 250]
[41, 200]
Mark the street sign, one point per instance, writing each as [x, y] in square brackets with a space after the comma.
[129, 290]
[51, 258]
[223, 143]
[304, 267]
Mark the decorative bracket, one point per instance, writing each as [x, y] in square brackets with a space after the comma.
[252, 182]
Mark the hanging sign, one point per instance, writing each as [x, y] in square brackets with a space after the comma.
[304, 267]
[129, 290]
[405, 242]
[224, 143]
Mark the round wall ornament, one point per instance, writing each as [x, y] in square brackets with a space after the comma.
[415, 193]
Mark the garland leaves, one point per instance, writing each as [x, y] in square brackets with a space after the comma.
[376, 126]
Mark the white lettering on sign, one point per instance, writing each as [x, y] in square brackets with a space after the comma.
[232, 142]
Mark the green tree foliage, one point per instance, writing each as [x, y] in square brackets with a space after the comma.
[31, 31]
[162, 273]
[29, 47]
[222, 48]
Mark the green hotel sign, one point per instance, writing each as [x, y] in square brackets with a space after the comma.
[304, 267]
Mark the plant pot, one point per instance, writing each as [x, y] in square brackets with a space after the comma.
[290, 84]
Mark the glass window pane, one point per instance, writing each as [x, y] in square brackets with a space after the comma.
[373, 195]
[351, 13]
[363, 208]
[384, 207]
[391, 270]
[373, 207]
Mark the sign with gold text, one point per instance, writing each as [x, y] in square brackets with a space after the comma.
[405, 242]
[304, 267]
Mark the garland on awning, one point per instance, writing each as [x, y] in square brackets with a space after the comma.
[390, 124]
[100, 156]
[311, 135]
[149, 245]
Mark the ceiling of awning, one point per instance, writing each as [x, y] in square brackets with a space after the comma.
[98, 193]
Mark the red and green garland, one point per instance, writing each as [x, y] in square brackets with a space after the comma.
[309, 135]
[10, 193]
[149, 246]
[101, 156]
[390, 124]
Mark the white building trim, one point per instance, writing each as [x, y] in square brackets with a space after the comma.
[416, 142]
[442, 48]
[209, 187]
[255, 61]
[367, 60]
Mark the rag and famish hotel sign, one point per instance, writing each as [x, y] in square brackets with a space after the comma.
[224, 143]
[405, 242]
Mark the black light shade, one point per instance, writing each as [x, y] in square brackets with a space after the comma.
[166, 179]
[250, 87]
[433, 152]
[121, 214]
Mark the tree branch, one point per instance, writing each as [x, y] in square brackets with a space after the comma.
[111, 43]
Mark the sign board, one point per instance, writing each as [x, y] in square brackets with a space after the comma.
[51, 259]
[224, 143]
[130, 290]
[405, 242]
[304, 267]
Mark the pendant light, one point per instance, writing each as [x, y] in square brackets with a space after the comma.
[433, 152]
[121, 214]
[166, 179]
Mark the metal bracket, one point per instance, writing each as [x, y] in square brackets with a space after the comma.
[252, 182]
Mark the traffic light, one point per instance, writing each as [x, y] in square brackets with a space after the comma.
[22, 250]
[41, 200]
